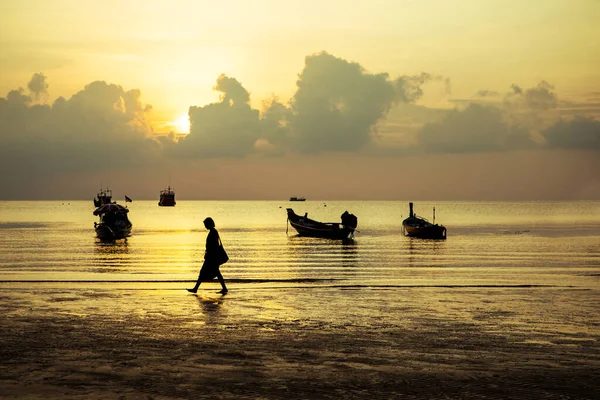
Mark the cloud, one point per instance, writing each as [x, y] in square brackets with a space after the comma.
[338, 104]
[275, 124]
[487, 93]
[17, 97]
[538, 98]
[227, 128]
[579, 133]
[409, 88]
[232, 91]
[516, 90]
[336, 107]
[38, 86]
[477, 128]
[541, 97]
[100, 127]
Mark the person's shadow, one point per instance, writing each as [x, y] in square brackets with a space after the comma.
[210, 305]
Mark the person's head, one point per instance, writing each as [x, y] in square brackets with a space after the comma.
[209, 223]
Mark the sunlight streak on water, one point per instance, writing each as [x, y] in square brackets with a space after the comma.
[489, 243]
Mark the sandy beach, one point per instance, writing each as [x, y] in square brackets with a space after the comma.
[131, 341]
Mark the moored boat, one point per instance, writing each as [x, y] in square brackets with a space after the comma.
[420, 227]
[114, 223]
[329, 230]
[294, 198]
[167, 197]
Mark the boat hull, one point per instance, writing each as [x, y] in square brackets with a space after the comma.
[167, 201]
[332, 232]
[167, 197]
[424, 231]
[112, 233]
[325, 230]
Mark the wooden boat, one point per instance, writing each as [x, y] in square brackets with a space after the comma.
[294, 198]
[420, 227]
[329, 230]
[104, 196]
[167, 197]
[113, 224]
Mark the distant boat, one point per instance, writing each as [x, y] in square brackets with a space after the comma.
[104, 196]
[167, 197]
[329, 230]
[420, 227]
[294, 198]
[113, 224]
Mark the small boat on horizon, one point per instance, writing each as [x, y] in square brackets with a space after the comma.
[114, 223]
[328, 230]
[294, 198]
[104, 196]
[167, 197]
[421, 228]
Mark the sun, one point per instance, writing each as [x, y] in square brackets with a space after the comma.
[182, 124]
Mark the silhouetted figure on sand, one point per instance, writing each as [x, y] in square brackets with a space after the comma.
[214, 256]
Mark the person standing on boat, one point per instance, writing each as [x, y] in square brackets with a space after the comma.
[213, 258]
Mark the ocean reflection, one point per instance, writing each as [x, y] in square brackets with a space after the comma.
[489, 243]
[306, 248]
[111, 257]
[110, 248]
[423, 250]
[210, 307]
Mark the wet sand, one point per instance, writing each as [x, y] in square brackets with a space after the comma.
[129, 341]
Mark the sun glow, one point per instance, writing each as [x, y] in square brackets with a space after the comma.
[182, 124]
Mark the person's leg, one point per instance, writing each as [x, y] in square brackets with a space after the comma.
[195, 288]
[222, 282]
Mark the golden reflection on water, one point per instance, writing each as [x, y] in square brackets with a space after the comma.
[488, 243]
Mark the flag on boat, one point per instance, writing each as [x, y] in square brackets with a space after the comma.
[127, 199]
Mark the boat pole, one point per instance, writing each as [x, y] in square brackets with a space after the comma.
[434, 215]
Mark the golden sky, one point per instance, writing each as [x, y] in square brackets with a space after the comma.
[402, 77]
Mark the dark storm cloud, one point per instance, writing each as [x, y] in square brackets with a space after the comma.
[100, 127]
[477, 128]
[579, 133]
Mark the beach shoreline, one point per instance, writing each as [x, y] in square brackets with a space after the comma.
[296, 342]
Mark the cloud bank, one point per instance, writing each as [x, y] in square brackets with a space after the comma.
[101, 126]
[338, 107]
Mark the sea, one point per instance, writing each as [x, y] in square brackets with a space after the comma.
[489, 244]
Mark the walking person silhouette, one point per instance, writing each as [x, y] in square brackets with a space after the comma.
[214, 256]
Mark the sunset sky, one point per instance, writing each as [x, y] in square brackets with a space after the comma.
[422, 100]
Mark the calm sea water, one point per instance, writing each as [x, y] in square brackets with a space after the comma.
[489, 243]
